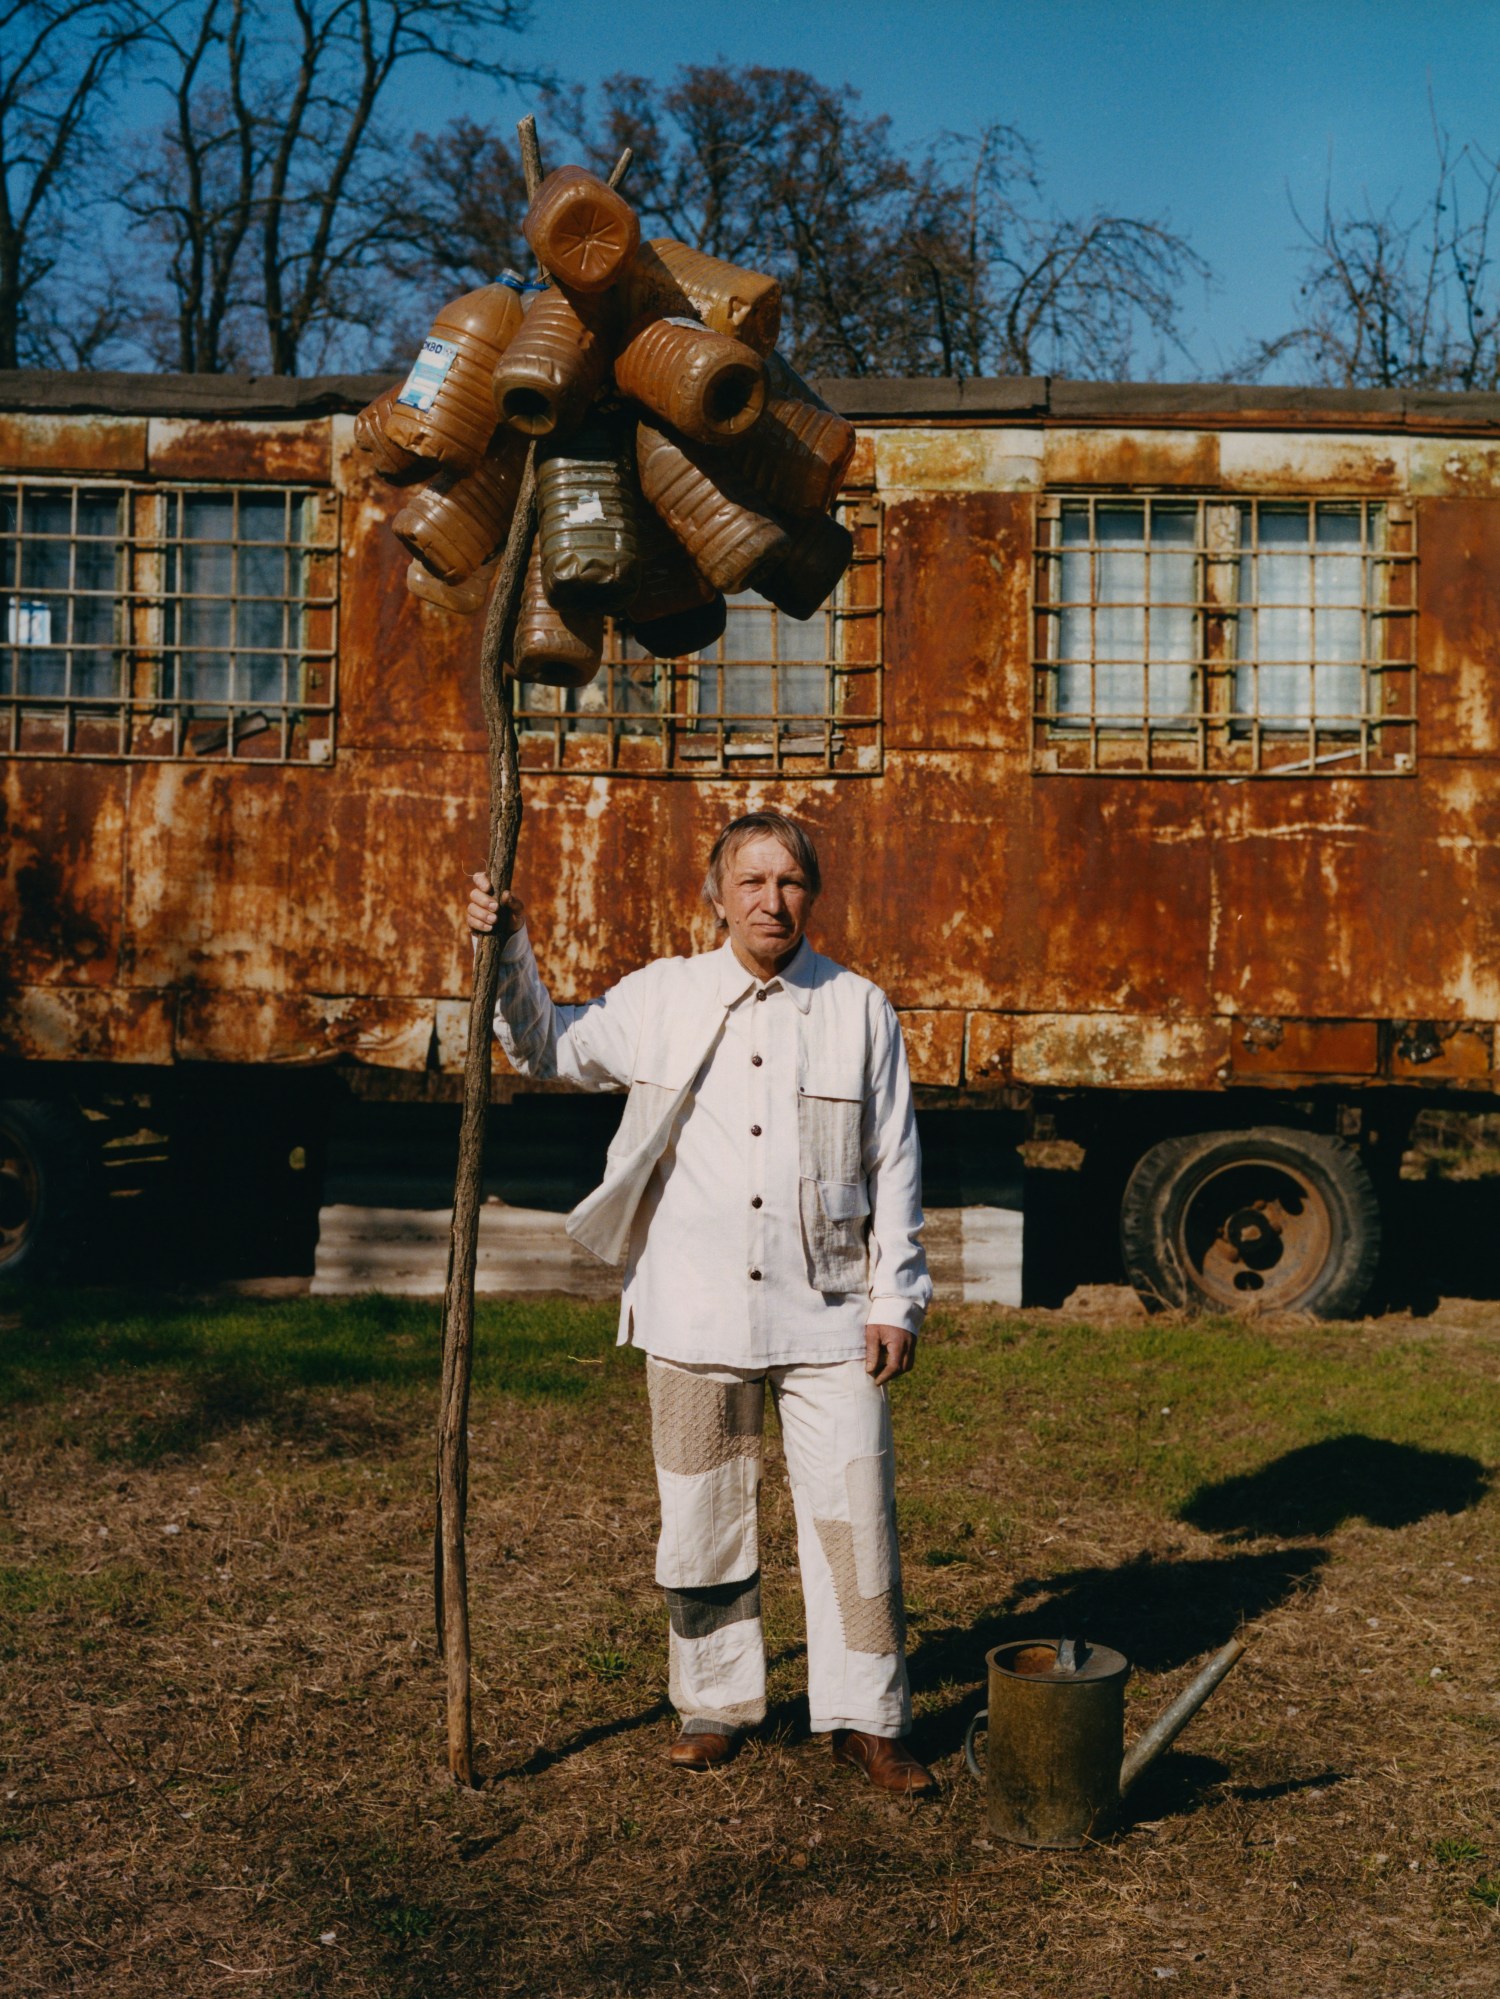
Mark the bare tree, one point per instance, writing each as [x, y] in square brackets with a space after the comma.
[1391, 301]
[950, 264]
[454, 211]
[58, 59]
[272, 191]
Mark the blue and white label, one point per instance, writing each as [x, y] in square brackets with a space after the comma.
[428, 374]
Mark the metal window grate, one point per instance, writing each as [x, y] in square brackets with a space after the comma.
[184, 622]
[775, 694]
[1178, 634]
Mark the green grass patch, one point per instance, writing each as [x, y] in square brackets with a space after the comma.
[246, 1352]
[129, 1598]
[1174, 1409]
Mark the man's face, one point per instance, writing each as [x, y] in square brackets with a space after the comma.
[766, 903]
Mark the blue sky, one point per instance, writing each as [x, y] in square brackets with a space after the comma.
[1205, 112]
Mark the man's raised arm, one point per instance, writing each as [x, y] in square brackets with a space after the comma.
[592, 1046]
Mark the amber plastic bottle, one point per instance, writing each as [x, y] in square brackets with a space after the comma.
[684, 631]
[668, 279]
[725, 532]
[444, 409]
[556, 364]
[463, 599]
[669, 582]
[586, 498]
[559, 648]
[797, 456]
[457, 521]
[395, 466]
[801, 577]
[582, 231]
[704, 384]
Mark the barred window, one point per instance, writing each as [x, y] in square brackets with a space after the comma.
[1179, 634]
[775, 693]
[168, 621]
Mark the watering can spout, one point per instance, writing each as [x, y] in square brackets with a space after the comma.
[1170, 1723]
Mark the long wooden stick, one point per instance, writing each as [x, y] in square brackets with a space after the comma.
[450, 1559]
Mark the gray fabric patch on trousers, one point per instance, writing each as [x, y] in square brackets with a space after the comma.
[698, 1424]
[871, 1623]
[696, 1613]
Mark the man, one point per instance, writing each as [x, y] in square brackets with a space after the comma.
[764, 1190]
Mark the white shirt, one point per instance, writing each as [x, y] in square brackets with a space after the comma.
[717, 1269]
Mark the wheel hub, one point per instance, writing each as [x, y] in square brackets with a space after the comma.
[1256, 1233]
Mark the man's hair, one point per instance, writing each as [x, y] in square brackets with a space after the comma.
[752, 826]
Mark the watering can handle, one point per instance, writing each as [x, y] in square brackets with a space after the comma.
[981, 1720]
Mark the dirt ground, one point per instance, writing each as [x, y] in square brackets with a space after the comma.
[222, 1726]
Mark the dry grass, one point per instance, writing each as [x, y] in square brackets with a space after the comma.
[222, 1727]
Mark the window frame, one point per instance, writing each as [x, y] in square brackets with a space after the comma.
[592, 731]
[1215, 737]
[148, 718]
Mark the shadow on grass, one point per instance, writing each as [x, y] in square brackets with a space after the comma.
[243, 1358]
[1160, 1614]
[1321, 1486]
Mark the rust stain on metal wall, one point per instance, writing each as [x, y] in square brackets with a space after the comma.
[1430, 1051]
[296, 1029]
[187, 448]
[1132, 458]
[1458, 628]
[86, 1024]
[104, 444]
[1120, 1051]
[957, 651]
[290, 878]
[1271, 462]
[934, 1045]
[990, 1042]
[1306, 1048]
[62, 831]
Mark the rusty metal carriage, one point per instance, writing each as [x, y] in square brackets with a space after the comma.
[1151, 743]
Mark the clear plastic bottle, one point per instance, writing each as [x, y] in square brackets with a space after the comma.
[702, 383]
[800, 577]
[669, 279]
[457, 521]
[556, 364]
[558, 648]
[395, 466]
[797, 456]
[586, 498]
[444, 409]
[724, 530]
[582, 231]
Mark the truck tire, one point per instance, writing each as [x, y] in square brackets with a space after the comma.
[1265, 1220]
[44, 1179]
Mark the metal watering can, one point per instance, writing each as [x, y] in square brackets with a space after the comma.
[1056, 1763]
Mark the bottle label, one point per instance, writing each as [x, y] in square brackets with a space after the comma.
[428, 374]
[584, 512]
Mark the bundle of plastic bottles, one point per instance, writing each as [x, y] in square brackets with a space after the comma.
[679, 458]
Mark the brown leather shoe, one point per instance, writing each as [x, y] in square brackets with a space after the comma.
[885, 1760]
[702, 1752]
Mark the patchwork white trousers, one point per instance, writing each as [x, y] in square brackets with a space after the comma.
[706, 1427]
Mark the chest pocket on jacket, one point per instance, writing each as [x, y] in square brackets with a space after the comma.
[833, 1200]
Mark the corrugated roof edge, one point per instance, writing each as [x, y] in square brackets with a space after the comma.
[266, 397]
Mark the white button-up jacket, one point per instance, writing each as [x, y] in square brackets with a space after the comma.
[858, 1160]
